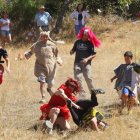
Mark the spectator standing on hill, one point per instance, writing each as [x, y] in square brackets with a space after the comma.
[5, 24]
[42, 20]
[80, 17]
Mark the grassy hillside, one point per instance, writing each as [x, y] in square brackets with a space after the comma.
[19, 94]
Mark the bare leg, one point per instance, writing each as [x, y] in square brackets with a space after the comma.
[8, 38]
[130, 104]
[42, 91]
[48, 124]
[124, 98]
[53, 114]
[94, 124]
[3, 38]
[64, 125]
[49, 89]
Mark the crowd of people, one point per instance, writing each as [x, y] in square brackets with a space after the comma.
[70, 97]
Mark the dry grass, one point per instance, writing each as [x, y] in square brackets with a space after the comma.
[19, 94]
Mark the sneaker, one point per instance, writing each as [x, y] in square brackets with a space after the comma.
[49, 127]
[106, 126]
[49, 124]
[99, 91]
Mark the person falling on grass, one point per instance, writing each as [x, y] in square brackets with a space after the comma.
[56, 112]
[128, 78]
[45, 64]
[62, 102]
[3, 54]
[87, 115]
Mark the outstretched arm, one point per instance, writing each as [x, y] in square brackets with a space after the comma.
[61, 93]
[113, 78]
[29, 53]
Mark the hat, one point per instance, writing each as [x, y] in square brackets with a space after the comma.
[41, 7]
[128, 53]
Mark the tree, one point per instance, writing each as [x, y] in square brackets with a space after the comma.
[63, 9]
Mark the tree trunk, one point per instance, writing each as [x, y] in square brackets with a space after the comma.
[62, 12]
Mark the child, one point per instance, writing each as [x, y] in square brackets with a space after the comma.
[3, 54]
[127, 82]
[45, 65]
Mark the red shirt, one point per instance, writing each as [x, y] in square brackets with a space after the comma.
[57, 100]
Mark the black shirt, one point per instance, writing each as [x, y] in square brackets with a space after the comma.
[80, 16]
[3, 53]
[83, 50]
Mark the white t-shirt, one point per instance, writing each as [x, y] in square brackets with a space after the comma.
[75, 14]
[6, 27]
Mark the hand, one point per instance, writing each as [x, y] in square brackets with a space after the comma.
[111, 80]
[78, 107]
[8, 70]
[71, 52]
[59, 61]
[6, 23]
[27, 56]
[84, 61]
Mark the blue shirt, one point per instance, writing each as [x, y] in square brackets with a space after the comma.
[42, 19]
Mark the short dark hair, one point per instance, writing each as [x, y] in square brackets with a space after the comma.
[82, 7]
[3, 13]
[129, 54]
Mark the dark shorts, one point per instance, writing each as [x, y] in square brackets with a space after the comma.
[5, 33]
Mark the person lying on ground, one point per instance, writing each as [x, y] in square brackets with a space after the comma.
[88, 116]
